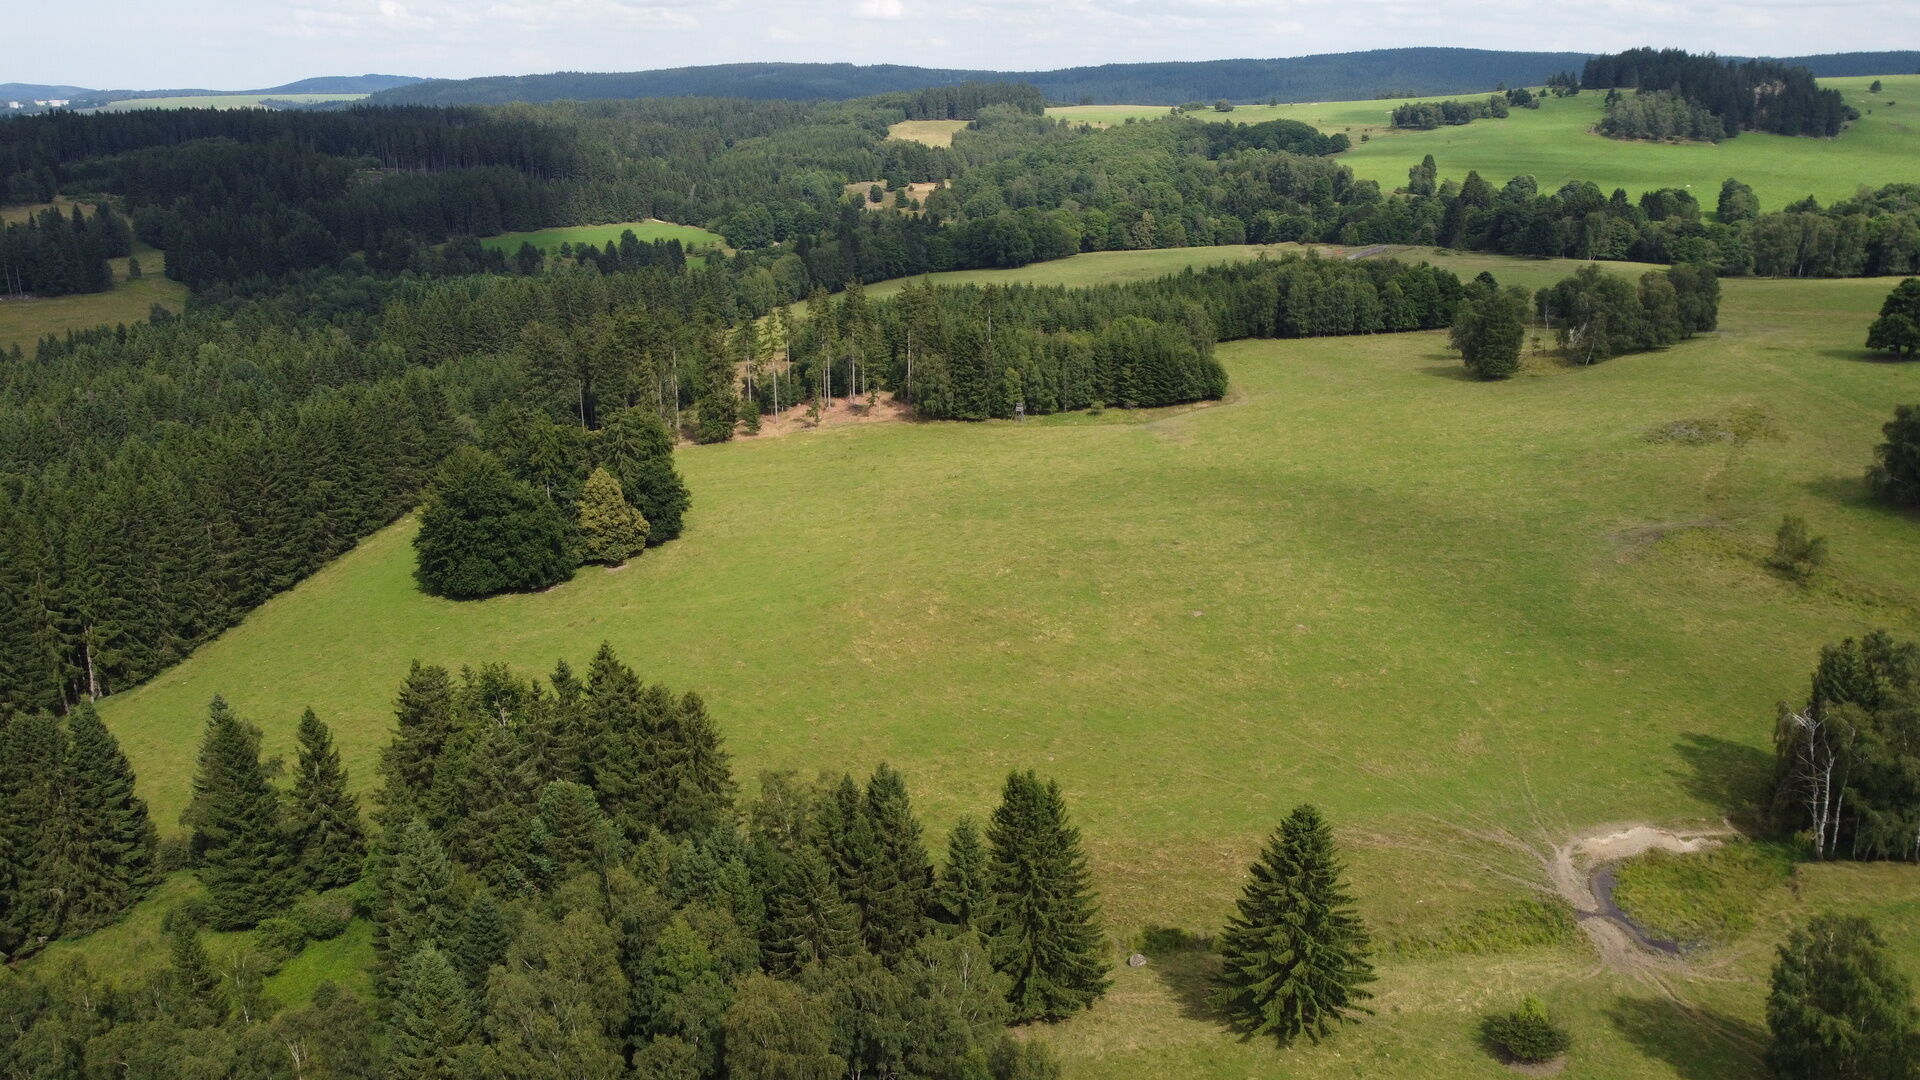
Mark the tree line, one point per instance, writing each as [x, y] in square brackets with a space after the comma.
[1753, 95]
[562, 883]
[1427, 115]
[1595, 316]
[55, 254]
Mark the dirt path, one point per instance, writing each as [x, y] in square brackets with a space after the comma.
[1571, 867]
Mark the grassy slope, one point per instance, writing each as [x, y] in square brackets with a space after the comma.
[1554, 145]
[598, 235]
[1436, 607]
[24, 322]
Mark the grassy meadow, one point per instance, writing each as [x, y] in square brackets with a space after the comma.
[1466, 619]
[24, 322]
[549, 240]
[1555, 144]
[931, 132]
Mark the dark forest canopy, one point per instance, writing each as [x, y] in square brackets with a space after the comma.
[1753, 95]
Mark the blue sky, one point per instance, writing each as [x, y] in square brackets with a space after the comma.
[235, 44]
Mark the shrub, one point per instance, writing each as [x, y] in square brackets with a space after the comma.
[1525, 1034]
[172, 854]
[192, 912]
[279, 940]
[1795, 551]
[323, 917]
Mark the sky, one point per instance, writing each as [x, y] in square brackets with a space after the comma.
[243, 44]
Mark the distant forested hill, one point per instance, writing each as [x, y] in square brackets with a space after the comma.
[1331, 77]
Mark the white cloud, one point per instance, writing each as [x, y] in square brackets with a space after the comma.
[880, 9]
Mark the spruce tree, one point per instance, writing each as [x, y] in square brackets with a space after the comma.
[702, 781]
[1839, 1008]
[1043, 930]
[574, 834]
[191, 978]
[111, 841]
[808, 921]
[1295, 957]
[32, 761]
[433, 1020]
[965, 892]
[900, 880]
[238, 841]
[638, 450]
[426, 718]
[483, 939]
[611, 530]
[843, 832]
[413, 905]
[325, 822]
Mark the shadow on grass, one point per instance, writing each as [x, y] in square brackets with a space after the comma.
[1849, 489]
[1732, 776]
[1865, 356]
[1699, 1044]
[1188, 976]
[1456, 371]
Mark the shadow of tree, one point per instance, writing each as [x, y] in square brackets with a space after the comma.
[1733, 776]
[1700, 1044]
[1456, 371]
[1188, 976]
[1863, 356]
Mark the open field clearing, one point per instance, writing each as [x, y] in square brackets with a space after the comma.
[931, 132]
[599, 235]
[1554, 144]
[220, 101]
[1469, 620]
[24, 322]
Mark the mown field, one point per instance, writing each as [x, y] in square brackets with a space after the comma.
[1466, 619]
[219, 101]
[931, 132]
[599, 235]
[24, 322]
[1555, 144]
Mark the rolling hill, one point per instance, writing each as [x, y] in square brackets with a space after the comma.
[1332, 76]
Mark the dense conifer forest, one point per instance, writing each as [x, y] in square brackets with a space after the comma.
[563, 882]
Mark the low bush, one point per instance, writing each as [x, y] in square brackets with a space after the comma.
[1526, 1034]
[279, 940]
[323, 917]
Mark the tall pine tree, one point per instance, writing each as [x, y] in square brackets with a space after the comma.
[900, 880]
[414, 905]
[110, 840]
[325, 823]
[32, 759]
[1043, 931]
[238, 841]
[808, 921]
[965, 891]
[1295, 957]
[434, 1029]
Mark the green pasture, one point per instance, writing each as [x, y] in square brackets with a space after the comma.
[1555, 143]
[931, 132]
[219, 101]
[24, 322]
[549, 240]
[1466, 619]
